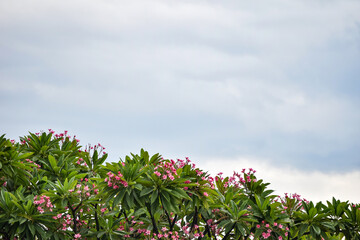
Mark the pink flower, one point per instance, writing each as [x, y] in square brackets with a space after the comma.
[157, 173]
[78, 235]
[206, 194]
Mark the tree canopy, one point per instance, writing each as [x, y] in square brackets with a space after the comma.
[53, 188]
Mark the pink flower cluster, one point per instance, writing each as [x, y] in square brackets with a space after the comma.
[237, 180]
[98, 147]
[62, 136]
[191, 233]
[85, 189]
[166, 234]
[134, 227]
[81, 162]
[354, 206]
[32, 162]
[43, 203]
[268, 229]
[167, 170]
[65, 220]
[115, 181]
[291, 202]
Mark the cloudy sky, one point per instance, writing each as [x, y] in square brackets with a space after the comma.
[273, 85]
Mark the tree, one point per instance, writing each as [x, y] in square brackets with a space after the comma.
[52, 188]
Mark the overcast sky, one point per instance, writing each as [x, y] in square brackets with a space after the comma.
[226, 83]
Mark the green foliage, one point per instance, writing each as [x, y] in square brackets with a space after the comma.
[52, 188]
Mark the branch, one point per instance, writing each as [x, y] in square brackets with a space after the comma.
[194, 220]
[152, 219]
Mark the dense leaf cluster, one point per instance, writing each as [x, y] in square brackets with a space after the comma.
[52, 188]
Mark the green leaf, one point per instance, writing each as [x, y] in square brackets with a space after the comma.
[52, 162]
[265, 204]
[179, 193]
[25, 155]
[119, 198]
[224, 223]
[140, 212]
[303, 228]
[32, 229]
[102, 159]
[80, 176]
[146, 191]
[242, 212]
[258, 202]
[154, 196]
[95, 156]
[312, 212]
[166, 204]
[241, 229]
[316, 229]
[328, 225]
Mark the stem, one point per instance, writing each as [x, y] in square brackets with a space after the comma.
[173, 222]
[152, 219]
[194, 220]
[97, 221]
[220, 219]
[126, 218]
[73, 211]
[74, 218]
[120, 213]
[289, 235]
[207, 228]
[78, 206]
[207, 231]
[168, 218]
